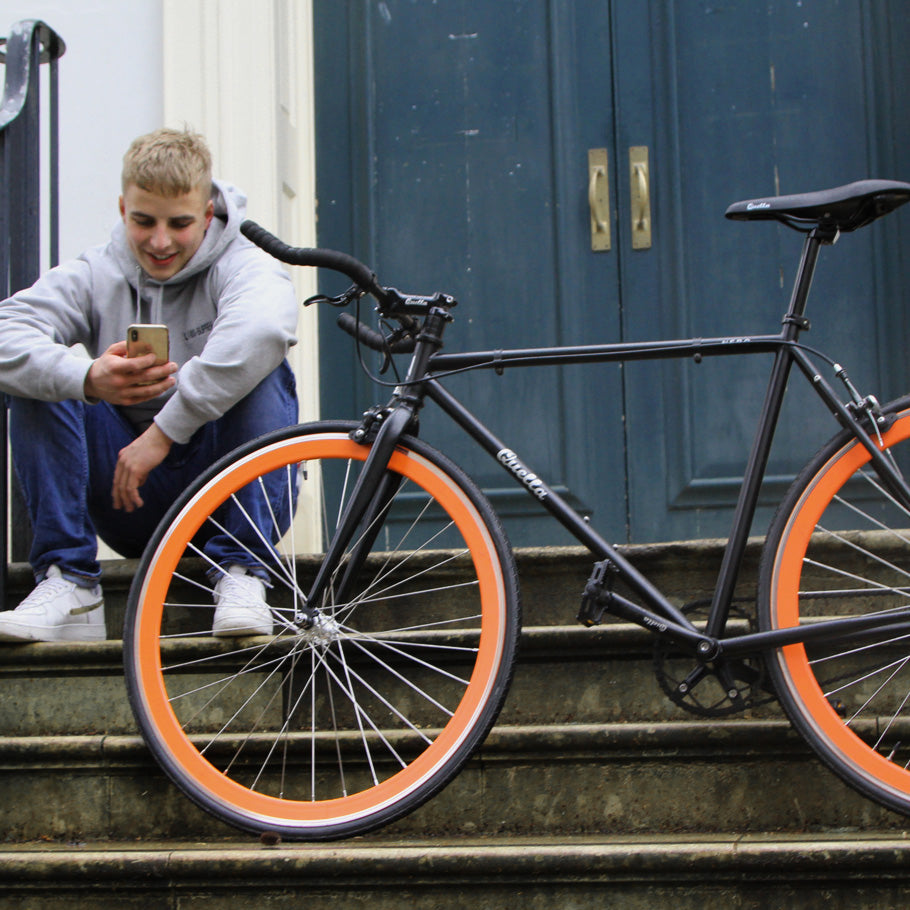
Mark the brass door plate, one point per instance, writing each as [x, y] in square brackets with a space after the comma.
[640, 195]
[599, 199]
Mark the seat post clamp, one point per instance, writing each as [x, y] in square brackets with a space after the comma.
[801, 322]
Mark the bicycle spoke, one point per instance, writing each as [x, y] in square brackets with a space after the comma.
[864, 551]
[873, 482]
[852, 652]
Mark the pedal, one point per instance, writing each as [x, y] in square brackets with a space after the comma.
[595, 600]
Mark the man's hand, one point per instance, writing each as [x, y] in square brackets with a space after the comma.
[123, 380]
[134, 463]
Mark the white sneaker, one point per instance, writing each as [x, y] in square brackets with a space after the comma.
[240, 607]
[57, 610]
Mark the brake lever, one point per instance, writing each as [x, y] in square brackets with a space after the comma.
[342, 300]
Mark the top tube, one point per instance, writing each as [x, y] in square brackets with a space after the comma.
[603, 353]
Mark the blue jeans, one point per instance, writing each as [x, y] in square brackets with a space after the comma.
[65, 454]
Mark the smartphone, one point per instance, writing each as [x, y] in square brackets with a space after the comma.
[144, 339]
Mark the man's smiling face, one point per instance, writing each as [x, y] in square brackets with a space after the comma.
[164, 232]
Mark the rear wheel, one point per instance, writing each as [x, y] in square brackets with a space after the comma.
[330, 729]
[840, 547]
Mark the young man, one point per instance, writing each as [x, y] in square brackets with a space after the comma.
[104, 443]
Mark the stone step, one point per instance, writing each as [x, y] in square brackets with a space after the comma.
[586, 739]
[831, 872]
[593, 790]
[569, 779]
[564, 675]
[552, 578]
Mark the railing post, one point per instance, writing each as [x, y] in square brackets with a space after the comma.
[30, 43]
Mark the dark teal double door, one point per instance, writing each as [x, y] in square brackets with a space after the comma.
[562, 168]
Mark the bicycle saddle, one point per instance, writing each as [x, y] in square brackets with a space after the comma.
[844, 208]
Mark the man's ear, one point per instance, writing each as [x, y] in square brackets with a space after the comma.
[209, 213]
[121, 206]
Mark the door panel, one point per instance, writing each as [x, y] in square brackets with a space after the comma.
[477, 165]
[452, 155]
[744, 104]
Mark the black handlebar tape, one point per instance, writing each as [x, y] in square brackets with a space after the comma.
[360, 274]
[371, 338]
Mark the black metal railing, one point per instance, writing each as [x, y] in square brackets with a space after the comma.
[30, 43]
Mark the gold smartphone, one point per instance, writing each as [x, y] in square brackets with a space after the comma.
[145, 339]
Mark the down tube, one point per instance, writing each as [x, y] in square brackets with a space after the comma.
[552, 502]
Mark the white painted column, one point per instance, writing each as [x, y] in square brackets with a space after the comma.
[241, 73]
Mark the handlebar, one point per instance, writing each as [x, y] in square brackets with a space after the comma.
[392, 303]
[359, 273]
[373, 339]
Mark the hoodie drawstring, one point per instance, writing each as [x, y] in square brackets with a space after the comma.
[157, 305]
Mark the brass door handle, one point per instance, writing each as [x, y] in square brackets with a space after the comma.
[601, 224]
[599, 199]
[640, 191]
[643, 215]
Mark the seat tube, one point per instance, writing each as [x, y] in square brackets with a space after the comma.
[794, 323]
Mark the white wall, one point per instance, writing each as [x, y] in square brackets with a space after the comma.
[111, 90]
[238, 71]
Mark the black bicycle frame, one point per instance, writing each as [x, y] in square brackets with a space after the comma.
[663, 617]
[660, 616]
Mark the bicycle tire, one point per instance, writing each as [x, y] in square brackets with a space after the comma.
[839, 546]
[332, 731]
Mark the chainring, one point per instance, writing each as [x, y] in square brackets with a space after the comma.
[713, 689]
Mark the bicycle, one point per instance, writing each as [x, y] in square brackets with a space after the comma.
[397, 629]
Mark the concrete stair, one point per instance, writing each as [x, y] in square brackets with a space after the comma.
[593, 790]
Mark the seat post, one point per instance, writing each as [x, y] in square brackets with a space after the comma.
[819, 236]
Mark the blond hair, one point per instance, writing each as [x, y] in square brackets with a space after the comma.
[169, 163]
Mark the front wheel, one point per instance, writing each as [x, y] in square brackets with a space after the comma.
[839, 548]
[330, 728]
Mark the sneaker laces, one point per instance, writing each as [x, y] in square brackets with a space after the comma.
[47, 590]
[239, 591]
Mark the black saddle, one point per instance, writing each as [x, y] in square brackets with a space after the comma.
[844, 208]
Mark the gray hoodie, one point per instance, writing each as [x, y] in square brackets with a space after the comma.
[231, 312]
